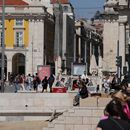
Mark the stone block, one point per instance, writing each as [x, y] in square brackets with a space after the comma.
[51, 125]
[69, 127]
[38, 103]
[97, 112]
[35, 118]
[90, 120]
[59, 127]
[45, 128]
[82, 112]
[73, 120]
[66, 114]
[14, 118]
[2, 118]
[61, 118]
[88, 102]
[102, 102]
[82, 127]
[94, 127]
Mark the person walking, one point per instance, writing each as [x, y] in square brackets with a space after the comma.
[36, 82]
[44, 84]
[51, 80]
[29, 82]
[22, 81]
[16, 82]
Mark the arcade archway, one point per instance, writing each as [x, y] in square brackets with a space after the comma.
[18, 64]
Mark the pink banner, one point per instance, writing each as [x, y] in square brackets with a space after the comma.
[44, 71]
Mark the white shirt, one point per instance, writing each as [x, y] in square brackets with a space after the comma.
[84, 76]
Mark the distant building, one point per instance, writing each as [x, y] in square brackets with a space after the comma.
[110, 37]
[64, 35]
[88, 46]
[116, 34]
[46, 3]
[29, 37]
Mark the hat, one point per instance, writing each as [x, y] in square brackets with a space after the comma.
[120, 96]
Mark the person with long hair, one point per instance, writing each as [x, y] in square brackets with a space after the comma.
[116, 119]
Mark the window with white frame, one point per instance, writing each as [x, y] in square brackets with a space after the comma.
[19, 22]
[19, 38]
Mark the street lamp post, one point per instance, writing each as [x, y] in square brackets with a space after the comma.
[129, 66]
[3, 47]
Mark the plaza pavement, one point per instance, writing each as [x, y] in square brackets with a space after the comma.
[24, 125]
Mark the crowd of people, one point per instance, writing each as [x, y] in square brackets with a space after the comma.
[112, 83]
[117, 111]
[31, 82]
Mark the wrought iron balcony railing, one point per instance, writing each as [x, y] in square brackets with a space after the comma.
[19, 45]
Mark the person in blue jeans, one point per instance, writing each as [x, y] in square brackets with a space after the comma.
[16, 83]
[83, 93]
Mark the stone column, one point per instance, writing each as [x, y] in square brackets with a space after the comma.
[79, 49]
[122, 50]
[85, 56]
[74, 47]
[9, 66]
[30, 56]
[100, 67]
[58, 37]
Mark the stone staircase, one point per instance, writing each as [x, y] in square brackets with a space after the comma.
[32, 106]
[84, 117]
[40, 106]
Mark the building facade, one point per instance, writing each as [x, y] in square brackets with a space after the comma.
[116, 34]
[64, 35]
[88, 46]
[110, 36]
[28, 37]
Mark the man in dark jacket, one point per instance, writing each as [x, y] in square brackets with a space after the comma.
[51, 81]
[83, 93]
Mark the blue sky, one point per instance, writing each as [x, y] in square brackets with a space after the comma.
[87, 8]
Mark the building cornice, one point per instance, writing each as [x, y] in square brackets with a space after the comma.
[28, 16]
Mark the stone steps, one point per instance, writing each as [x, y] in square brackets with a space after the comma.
[85, 116]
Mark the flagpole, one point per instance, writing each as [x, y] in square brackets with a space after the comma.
[3, 47]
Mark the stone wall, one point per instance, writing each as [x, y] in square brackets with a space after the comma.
[40, 106]
[84, 117]
[33, 106]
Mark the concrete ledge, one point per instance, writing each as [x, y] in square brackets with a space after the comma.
[35, 100]
[89, 102]
[94, 102]
[26, 114]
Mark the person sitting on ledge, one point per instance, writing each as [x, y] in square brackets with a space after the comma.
[83, 93]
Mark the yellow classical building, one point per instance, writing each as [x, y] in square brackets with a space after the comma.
[28, 35]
